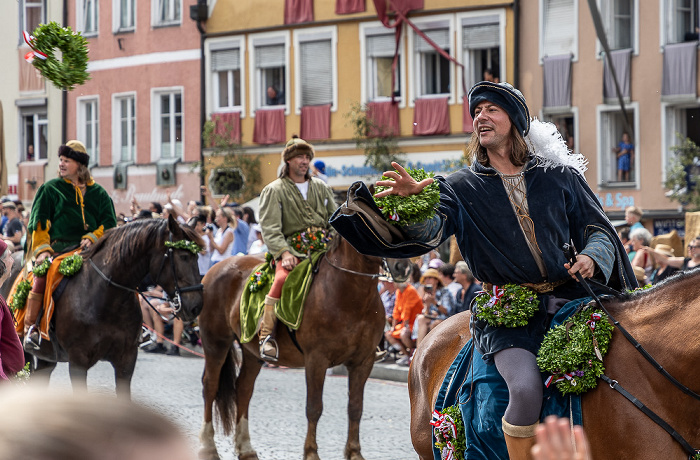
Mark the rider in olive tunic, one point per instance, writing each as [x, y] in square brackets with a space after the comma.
[67, 212]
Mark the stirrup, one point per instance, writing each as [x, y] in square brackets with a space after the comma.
[269, 339]
[379, 354]
[32, 341]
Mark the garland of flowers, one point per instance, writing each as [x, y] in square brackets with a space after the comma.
[311, 239]
[19, 299]
[71, 265]
[573, 352]
[258, 279]
[22, 377]
[191, 246]
[407, 210]
[448, 429]
[72, 69]
[510, 305]
[43, 268]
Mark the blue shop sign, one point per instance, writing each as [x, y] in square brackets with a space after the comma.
[663, 226]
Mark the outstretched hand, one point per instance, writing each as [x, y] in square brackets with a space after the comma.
[402, 183]
[555, 441]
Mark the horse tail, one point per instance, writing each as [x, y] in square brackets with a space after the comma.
[226, 394]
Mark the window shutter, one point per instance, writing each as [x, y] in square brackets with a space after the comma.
[316, 73]
[381, 45]
[225, 60]
[269, 56]
[439, 36]
[480, 36]
[559, 27]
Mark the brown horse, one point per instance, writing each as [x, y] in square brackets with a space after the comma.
[343, 323]
[664, 319]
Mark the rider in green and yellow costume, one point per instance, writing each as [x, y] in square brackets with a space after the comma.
[69, 211]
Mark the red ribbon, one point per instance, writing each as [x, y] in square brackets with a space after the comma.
[34, 53]
[445, 426]
[595, 317]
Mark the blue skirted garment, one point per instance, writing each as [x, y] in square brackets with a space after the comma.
[482, 396]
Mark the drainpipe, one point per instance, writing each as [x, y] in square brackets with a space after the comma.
[64, 92]
[516, 38]
[199, 13]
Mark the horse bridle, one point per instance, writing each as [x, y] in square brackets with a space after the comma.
[385, 266]
[176, 300]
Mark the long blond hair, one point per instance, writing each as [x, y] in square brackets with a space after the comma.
[519, 153]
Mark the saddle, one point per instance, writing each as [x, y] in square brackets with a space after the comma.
[290, 308]
[54, 288]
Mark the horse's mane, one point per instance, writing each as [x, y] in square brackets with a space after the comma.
[136, 238]
[668, 283]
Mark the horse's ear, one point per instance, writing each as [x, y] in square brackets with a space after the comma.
[174, 227]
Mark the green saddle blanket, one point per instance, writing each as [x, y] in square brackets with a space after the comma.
[290, 307]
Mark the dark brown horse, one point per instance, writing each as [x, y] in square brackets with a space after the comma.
[98, 318]
[343, 323]
[664, 319]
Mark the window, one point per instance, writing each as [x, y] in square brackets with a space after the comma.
[124, 15]
[269, 56]
[558, 27]
[34, 133]
[226, 76]
[620, 22]
[378, 57]
[680, 18]
[614, 168]
[679, 122]
[432, 69]
[169, 129]
[166, 12]
[124, 137]
[32, 14]
[87, 16]
[566, 125]
[316, 73]
[481, 47]
[88, 127]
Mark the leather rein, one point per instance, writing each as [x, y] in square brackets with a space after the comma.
[570, 252]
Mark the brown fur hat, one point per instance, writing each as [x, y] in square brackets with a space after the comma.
[297, 146]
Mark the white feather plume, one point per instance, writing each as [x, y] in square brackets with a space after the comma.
[546, 142]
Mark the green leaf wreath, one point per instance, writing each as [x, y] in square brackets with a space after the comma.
[510, 305]
[71, 70]
[43, 268]
[568, 351]
[311, 239]
[258, 280]
[407, 210]
[19, 299]
[71, 265]
[191, 246]
[445, 440]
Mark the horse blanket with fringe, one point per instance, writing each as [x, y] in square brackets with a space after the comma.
[482, 396]
[53, 279]
[290, 308]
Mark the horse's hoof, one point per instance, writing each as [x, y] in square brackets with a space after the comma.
[209, 454]
[248, 456]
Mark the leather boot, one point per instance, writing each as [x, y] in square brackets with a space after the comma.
[32, 336]
[268, 345]
[519, 440]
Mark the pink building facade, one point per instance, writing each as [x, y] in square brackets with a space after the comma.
[139, 114]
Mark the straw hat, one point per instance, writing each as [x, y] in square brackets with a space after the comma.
[431, 273]
[664, 249]
[639, 274]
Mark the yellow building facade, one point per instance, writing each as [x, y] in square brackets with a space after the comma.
[321, 69]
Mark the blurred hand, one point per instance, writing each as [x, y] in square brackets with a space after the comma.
[554, 441]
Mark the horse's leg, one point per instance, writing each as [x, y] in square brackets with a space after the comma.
[124, 371]
[78, 377]
[316, 366]
[357, 377]
[250, 368]
[216, 358]
[41, 370]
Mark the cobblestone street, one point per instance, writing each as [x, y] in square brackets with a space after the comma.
[172, 385]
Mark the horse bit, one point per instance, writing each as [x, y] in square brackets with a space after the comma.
[176, 301]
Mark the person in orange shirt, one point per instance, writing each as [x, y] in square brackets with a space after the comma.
[407, 306]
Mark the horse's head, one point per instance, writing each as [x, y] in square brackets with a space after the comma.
[178, 272]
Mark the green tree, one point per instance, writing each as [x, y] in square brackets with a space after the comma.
[235, 174]
[683, 174]
[378, 142]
